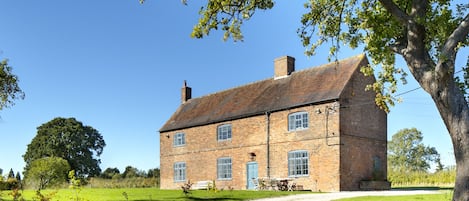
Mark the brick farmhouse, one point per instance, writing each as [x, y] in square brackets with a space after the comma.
[318, 127]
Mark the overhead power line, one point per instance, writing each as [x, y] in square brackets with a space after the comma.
[406, 92]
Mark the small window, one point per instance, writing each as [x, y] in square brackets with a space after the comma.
[179, 171]
[224, 132]
[179, 139]
[298, 163]
[297, 121]
[376, 164]
[224, 168]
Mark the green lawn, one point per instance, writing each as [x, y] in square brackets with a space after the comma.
[147, 194]
[153, 194]
[444, 196]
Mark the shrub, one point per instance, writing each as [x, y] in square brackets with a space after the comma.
[418, 178]
[135, 182]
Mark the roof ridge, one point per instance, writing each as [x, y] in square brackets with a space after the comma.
[307, 86]
[273, 78]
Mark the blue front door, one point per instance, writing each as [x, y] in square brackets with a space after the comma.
[251, 173]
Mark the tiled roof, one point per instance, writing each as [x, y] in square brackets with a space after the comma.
[309, 86]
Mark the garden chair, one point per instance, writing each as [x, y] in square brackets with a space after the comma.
[255, 181]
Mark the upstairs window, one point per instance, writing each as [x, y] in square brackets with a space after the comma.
[224, 168]
[298, 163]
[224, 132]
[297, 121]
[179, 139]
[179, 171]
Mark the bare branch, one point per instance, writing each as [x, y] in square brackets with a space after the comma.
[397, 48]
[459, 35]
[419, 8]
[395, 11]
[449, 50]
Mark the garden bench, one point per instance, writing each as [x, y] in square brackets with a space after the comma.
[201, 185]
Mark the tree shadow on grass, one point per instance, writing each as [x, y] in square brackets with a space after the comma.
[192, 198]
[412, 188]
[215, 199]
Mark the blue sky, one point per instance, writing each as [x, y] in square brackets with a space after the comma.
[119, 66]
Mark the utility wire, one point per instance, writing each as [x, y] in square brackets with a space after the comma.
[406, 92]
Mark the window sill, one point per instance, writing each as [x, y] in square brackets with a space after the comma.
[299, 129]
[176, 146]
[227, 179]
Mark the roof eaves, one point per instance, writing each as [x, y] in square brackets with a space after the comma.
[247, 115]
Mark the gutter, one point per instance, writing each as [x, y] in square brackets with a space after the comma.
[267, 116]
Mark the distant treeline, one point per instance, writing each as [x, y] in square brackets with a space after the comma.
[130, 178]
[445, 177]
[109, 178]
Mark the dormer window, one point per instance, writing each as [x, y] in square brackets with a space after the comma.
[224, 132]
[297, 121]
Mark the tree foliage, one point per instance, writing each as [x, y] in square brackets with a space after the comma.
[47, 171]
[155, 172]
[110, 173]
[69, 139]
[406, 152]
[11, 174]
[9, 88]
[132, 172]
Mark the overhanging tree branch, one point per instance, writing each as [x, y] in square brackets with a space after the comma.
[450, 48]
[459, 35]
[395, 11]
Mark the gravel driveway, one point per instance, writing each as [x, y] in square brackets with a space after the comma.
[340, 195]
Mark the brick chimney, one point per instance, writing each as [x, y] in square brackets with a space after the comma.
[284, 66]
[186, 92]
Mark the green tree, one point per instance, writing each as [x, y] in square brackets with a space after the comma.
[69, 139]
[406, 152]
[110, 173]
[131, 172]
[155, 172]
[11, 174]
[9, 88]
[427, 34]
[47, 171]
[18, 176]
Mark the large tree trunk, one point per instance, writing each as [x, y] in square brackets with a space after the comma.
[439, 82]
[455, 114]
[454, 111]
[437, 78]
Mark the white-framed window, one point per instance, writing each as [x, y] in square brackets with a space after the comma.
[297, 121]
[224, 132]
[298, 163]
[224, 168]
[179, 139]
[179, 171]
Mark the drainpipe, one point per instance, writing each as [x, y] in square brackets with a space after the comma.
[267, 115]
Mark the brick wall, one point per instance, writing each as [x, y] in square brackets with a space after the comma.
[363, 135]
[250, 136]
[202, 151]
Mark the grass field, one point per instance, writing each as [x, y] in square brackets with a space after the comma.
[154, 194]
[444, 196]
[145, 194]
